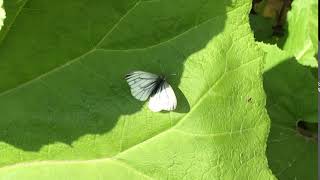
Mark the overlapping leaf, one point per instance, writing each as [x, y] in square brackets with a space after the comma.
[298, 29]
[302, 40]
[291, 89]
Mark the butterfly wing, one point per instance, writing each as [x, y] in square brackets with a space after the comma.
[163, 99]
[142, 84]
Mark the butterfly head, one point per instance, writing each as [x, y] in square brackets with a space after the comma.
[162, 77]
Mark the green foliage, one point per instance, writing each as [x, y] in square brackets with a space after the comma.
[291, 89]
[295, 32]
[67, 112]
[302, 40]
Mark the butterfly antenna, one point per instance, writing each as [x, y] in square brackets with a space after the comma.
[161, 67]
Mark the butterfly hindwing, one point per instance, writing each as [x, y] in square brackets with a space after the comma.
[163, 99]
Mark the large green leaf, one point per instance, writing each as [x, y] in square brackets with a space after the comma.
[291, 89]
[302, 40]
[67, 113]
[2, 14]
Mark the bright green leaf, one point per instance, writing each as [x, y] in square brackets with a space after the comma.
[302, 40]
[67, 113]
[291, 89]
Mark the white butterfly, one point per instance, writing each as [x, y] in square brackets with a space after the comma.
[144, 85]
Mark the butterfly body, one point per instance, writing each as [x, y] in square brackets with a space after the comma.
[144, 85]
[159, 82]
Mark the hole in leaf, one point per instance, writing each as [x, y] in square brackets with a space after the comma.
[307, 129]
[268, 20]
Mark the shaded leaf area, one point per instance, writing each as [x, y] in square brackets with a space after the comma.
[291, 90]
[292, 26]
[59, 34]
[78, 116]
[262, 29]
[55, 35]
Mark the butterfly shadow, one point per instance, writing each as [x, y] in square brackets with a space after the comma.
[183, 105]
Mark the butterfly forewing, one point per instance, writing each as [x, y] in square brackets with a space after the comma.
[142, 84]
